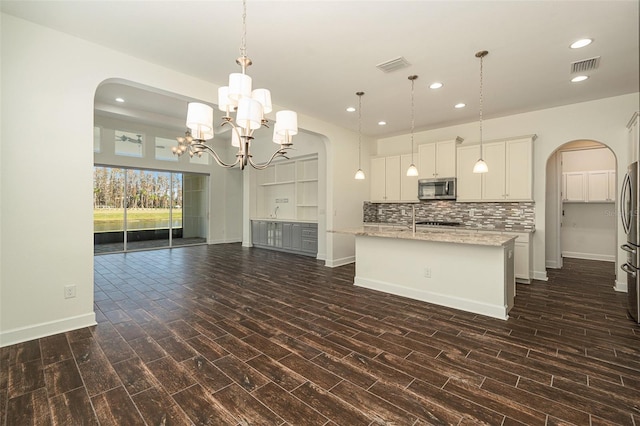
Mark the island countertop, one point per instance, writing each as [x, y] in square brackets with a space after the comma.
[434, 235]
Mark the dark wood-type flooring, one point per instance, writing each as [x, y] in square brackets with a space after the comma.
[225, 335]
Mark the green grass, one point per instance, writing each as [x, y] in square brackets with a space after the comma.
[109, 220]
[112, 215]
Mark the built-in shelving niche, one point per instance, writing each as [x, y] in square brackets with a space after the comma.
[288, 190]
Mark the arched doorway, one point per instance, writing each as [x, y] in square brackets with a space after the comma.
[581, 203]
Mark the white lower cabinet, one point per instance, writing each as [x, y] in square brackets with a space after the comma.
[522, 257]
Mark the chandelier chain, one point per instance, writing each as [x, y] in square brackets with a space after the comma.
[243, 40]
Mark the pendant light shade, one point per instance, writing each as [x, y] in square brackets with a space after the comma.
[412, 170]
[239, 86]
[249, 114]
[359, 175]
[481, 166]
[200, 120]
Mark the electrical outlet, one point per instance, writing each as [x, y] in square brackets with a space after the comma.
[69, 291]
[404, 212]
[427, 272]
[472, 213]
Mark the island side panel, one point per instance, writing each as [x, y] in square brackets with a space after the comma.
[473, 278]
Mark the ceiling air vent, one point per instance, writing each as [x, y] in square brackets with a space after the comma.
[585, 65]
[393, 65]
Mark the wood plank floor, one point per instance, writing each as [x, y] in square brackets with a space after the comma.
[225, 335]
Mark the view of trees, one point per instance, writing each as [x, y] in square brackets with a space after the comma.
[144, 189]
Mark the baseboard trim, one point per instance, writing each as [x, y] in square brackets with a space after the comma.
[589, 256]
[540, 275]
[551, 264]
[494, 311]
[334, 263]
[24, 334]
[621, 287]
[225, 241]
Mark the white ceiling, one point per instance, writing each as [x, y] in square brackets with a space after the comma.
[314, 55]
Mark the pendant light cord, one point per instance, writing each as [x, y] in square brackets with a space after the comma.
[359, 130]
[481, 61]
[413, 121]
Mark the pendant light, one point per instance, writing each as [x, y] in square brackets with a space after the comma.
[412, 170]
[481, 166]
[359, 174]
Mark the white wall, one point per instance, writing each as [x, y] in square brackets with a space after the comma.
[584, 160]
[602, 120]
[589, 231]
[46, 193]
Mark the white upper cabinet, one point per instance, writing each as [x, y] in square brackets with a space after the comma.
[385, 179]
[595, 186]
[438, 159]
[408, 184]
[510, 175]
[469, 183]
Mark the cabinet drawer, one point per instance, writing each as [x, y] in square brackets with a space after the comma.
[310, 245]
[309, 232]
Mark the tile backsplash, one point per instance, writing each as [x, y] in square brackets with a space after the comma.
[511, 216]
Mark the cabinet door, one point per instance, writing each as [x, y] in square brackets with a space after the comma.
[598, 186]
[408, 184]
[392, 178]
[296, 236]
[378, 180]
[263, 229]
[427, 161]
[574, 186]
[469, 183]
[519, 171]
[286, 235]
[493, 182]
[446, 159]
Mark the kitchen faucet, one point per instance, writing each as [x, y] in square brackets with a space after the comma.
[275, 212]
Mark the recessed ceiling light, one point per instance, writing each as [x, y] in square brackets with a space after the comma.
[460, 105]
[350, 109]
[382, 123]
[435, 85]
[119, 100]
[579, 78]
[581, 43]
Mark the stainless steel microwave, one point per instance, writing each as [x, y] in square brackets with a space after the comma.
[437, 189]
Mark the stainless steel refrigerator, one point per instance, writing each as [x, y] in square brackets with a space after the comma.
[629, 215]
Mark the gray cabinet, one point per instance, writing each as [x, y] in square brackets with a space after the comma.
[293, 237]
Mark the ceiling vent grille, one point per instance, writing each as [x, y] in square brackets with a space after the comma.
[585, 65]
[393, 65]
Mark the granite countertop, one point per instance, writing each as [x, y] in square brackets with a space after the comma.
[276, 219]
[461, 228]
[430, 234]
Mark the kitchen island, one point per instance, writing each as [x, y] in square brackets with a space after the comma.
[470, 271]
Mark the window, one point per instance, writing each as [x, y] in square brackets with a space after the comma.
[163, 149]
[129, 144]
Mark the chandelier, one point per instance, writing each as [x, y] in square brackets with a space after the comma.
[481, 165]
[249, 106]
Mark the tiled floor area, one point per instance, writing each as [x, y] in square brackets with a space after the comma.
[225, 335]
